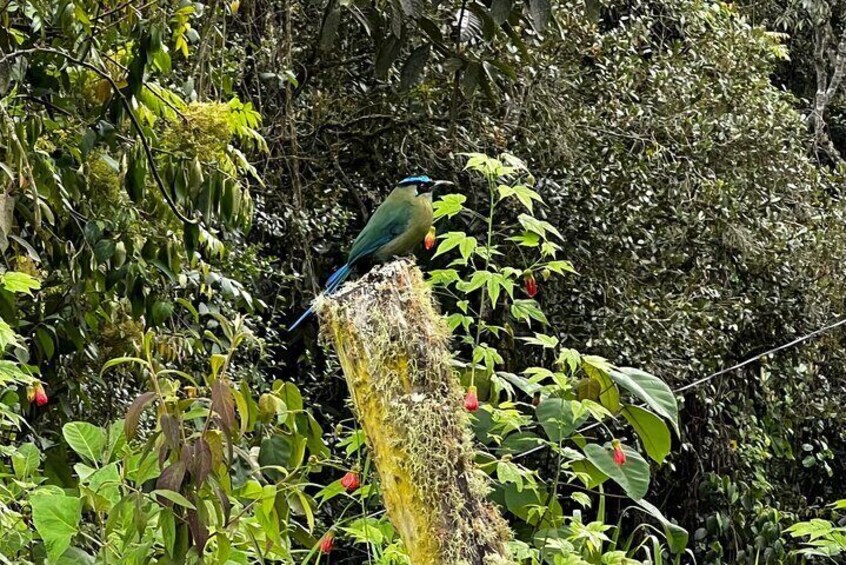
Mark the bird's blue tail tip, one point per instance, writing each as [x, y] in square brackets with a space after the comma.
[301, 319]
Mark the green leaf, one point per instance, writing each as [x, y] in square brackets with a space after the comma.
[541, 13]
[86, 439]
[652, 390]
[523, 193]
[676, 535]
[540, 227]
[569, 358]
[527, 309]
[449, 205]
[559, 418]
[136, 173]
[500, 10]
[561, 267]
[652, 431]
[365, 530]
[633, 475]
[120, 361]
[329, 29]
[414, 66]
[16, 282]
[8, 335]
[25, 460]
[104, 485]
[45, 342]
[167, 524]
[174, 497]
[597, 369]
[508, 472]
[103, 250]
[466, 244]
[56, 518]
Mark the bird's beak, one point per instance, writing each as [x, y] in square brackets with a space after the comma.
[438, 183]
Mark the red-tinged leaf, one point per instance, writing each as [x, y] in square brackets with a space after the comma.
[170, 429]
[171, 478]
[133, 413]
[223, 403]
[199, 531]
[198, 460]
[224, 501]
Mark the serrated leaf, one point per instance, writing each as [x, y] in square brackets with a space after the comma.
[449, 205]
[19, 283]
[528, 310]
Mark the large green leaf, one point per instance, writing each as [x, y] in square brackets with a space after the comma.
[676, 535]
[56, 518]
[86, 439]
[25, 460]
[558, 419]
[597, 369]
[652, 431]
[652, 390]
[103, 486]
[588, 473]
[633, 475]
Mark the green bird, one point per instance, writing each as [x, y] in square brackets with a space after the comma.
[397, 226]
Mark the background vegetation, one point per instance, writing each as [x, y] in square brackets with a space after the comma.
[179, 178]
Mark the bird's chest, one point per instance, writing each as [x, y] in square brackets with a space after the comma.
[416, 230]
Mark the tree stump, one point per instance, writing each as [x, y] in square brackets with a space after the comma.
[393, 348]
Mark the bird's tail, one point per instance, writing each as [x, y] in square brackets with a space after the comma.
[337, 278]
[301, 319]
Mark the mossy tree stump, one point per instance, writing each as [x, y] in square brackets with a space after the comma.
[393, 348]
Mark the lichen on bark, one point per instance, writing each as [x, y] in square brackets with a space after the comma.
[393, 348]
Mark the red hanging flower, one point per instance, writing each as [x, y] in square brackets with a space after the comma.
[327, 542]
[350, 481]
[530, 285]
[429, 241]
[471, 401]
[37, 394]
[619, 454]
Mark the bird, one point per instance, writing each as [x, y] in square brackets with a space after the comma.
[398, 225]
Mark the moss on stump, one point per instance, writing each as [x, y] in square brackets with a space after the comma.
[393, 348]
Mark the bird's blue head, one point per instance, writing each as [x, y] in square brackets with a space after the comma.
[423, 183]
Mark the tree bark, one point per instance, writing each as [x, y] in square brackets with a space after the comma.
[393, 348]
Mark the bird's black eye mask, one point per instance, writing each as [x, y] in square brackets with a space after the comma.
[423, 183]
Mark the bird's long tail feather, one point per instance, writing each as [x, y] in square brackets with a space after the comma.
[337, 278]
[301, 319]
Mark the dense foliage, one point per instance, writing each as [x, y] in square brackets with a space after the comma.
[643, 181]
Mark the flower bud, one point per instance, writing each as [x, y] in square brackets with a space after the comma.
[471, 401]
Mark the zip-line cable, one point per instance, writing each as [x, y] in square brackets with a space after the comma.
[760, 355]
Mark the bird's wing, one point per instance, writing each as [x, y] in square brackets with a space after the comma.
[386, 223]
